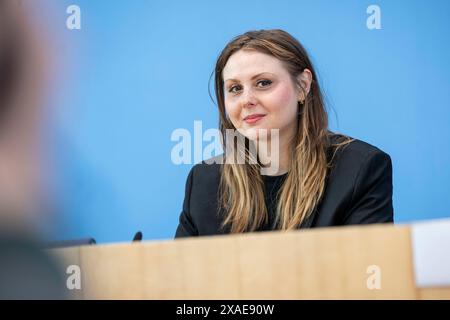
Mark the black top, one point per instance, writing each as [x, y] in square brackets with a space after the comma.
[272, 184]
[358, 190]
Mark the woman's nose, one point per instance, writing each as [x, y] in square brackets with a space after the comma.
[248, 99]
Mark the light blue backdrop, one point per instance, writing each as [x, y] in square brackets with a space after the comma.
[139, 69]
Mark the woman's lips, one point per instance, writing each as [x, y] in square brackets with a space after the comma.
[254, 118]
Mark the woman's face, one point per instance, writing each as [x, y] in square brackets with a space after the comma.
[260, 94]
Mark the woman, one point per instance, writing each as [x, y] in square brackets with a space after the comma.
[264, 81]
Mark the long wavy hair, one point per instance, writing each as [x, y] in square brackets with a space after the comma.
[241, 191]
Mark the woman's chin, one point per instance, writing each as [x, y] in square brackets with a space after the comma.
[256, 133]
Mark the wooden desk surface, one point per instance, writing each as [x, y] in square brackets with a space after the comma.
[329, 263]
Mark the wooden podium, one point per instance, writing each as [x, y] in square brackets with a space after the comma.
[328, 263]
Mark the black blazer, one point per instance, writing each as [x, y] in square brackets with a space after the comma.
[358, 191]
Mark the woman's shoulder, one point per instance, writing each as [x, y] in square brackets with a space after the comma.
[203, 185]
[345, 148]
[207, 171]
[352, 159]
[359, 182]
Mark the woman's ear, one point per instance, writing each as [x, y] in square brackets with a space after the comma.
[304, 79]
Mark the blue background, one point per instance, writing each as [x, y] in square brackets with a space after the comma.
[137, 70]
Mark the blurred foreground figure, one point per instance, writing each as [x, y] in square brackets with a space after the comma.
[26, 271]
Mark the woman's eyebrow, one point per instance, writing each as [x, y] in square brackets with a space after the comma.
[255, 76]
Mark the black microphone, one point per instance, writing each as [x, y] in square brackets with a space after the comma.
[137, 236]
[70, 243]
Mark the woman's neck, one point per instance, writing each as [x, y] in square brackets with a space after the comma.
[276, 155]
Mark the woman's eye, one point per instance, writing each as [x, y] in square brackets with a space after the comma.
[234, 89]
[263, 83]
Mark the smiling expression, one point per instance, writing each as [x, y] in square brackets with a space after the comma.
[259, 94]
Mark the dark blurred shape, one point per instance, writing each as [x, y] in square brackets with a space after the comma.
[71, 243]
[26, 270]
[137, 236]
[22, 82]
